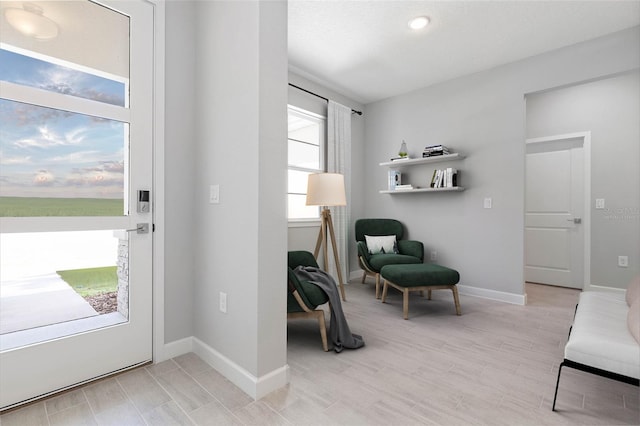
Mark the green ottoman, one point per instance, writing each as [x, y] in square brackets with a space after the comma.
[419, 277]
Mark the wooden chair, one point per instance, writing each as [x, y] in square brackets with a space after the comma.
[303, 297]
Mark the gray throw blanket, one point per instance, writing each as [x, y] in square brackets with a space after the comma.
[339, 331]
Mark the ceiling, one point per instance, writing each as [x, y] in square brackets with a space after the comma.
[366, 51]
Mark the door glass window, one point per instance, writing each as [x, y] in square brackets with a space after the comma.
[33, 72]
[59, 163]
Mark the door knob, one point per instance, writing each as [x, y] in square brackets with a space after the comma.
[141, 228]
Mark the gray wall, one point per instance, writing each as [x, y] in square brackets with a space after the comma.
[240, 125]
[304, 237]
[225, 123]
[179, 172]
[609, 109]
[483, 116]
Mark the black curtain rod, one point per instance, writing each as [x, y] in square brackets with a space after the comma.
[321, 97]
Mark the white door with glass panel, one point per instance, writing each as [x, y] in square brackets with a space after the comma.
[554, 213]
[75, 194]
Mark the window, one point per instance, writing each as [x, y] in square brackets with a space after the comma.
[306, 156]
[64, 137]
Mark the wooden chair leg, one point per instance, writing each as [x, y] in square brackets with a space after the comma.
[385, 288]
[378, 286]
[456, 300]
[323, 330]
[405, 303]
[428, 294]
[364, 276]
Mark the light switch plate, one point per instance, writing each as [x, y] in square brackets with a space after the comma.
[488, 202]
[599, 203]
[214, 194]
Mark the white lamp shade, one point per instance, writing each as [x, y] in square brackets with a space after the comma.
[326, 189]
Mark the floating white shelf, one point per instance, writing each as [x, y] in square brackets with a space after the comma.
[412, 191]
[414, 161]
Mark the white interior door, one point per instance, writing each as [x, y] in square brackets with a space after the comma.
[555, 212]
[76, 147]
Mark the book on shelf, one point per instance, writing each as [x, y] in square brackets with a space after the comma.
[433, 150]
[395, 179]
[400, 158]
[444, 178]
[406, 187]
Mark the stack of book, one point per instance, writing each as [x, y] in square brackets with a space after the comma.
[407, 187]
[433, 150]
[395, 179]
[445, 178]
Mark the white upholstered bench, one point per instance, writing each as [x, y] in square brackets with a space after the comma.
[601, 341]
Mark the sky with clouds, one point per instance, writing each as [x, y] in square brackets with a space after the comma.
[46, 152]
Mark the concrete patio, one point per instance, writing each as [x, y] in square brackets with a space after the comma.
[39, 301]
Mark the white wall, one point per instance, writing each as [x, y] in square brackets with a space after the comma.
[483, 116]
[610, 110]
[240, 243]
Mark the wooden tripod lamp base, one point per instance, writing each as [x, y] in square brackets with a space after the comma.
[327, 225]
[327, 189]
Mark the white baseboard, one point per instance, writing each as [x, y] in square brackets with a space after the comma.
[516, 299]
[255, 387]
[355, 275]
[604, 288]
[501, 296]
[174, 349]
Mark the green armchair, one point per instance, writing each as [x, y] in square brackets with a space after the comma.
[405, 251]
[303, 297]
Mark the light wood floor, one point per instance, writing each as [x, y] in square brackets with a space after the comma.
[494, 365]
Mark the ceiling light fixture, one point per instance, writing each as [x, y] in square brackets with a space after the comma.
[419, 22]
[31, 22]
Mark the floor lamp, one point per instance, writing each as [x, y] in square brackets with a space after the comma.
[326, 190]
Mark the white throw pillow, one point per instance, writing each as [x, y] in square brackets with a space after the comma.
[381, 244]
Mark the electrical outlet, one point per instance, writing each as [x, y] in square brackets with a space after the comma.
[434, 255]
[599, 203]
[487, 203]
[623, 261]
[223, 302]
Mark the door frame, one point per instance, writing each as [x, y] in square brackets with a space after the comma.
[586, 216]
[158, 197]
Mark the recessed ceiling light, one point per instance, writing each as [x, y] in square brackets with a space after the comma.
[419, 22]
[31, 22]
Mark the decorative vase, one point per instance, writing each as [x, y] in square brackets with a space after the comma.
[403, 150]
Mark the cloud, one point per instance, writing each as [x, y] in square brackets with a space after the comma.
[48, 138]
[44, 178]
[6, 160]
[108, 173]
[76, 83]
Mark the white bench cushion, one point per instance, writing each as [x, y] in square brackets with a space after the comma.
[600, 336]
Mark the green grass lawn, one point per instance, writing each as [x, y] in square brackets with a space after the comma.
[34, 206]
[91, 281]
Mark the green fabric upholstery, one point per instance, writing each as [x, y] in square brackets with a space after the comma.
[424, 274]
[377, 261]
[311, 294]
[300, 257]
[378, 227]
[410, 251]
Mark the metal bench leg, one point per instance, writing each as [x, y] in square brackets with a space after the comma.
[555, 395]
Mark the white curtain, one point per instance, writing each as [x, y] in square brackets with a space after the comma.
[339, 161]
